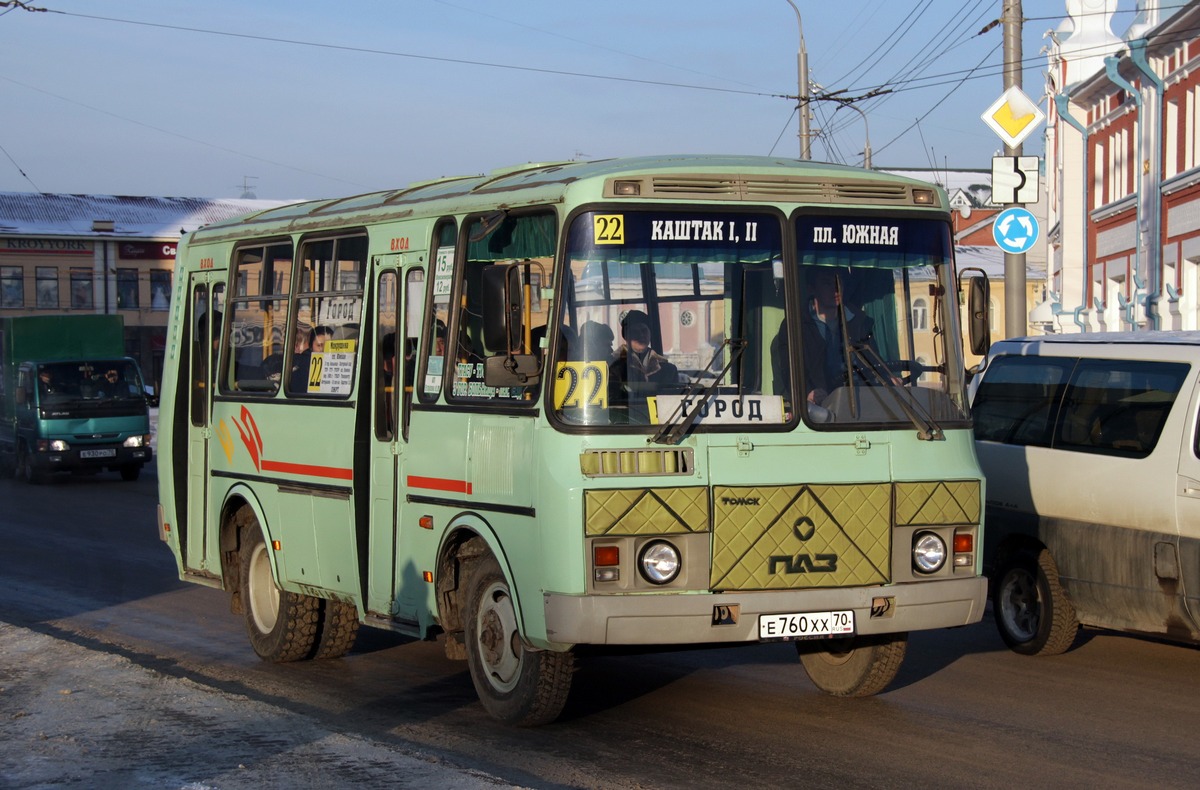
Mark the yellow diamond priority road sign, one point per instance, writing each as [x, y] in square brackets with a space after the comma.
[1013, 116]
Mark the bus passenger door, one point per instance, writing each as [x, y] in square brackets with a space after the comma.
[397, 316]
[205, 334]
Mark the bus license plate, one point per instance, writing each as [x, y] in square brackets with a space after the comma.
[110, 453]
[806, 625]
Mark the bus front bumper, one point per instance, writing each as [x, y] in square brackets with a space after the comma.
[691, 618]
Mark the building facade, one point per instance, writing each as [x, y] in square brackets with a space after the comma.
[75, 254]
[1124, 164]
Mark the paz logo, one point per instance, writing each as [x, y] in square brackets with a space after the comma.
[1013, 116]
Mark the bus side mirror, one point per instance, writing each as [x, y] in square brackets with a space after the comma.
[502, 308]
[979, 329]
[511, 370]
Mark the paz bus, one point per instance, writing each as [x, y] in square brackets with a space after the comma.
[653, 401]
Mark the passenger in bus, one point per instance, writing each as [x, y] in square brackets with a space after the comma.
[595, 342]
[302, 345]
[320, 336]
[635, 361]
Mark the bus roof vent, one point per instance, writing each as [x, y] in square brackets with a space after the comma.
[780, 188]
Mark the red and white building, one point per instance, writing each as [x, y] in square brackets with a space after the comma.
[1123, 169]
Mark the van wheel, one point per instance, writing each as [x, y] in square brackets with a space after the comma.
[516, 684]
[25, 468]
[854, 667]
[282, 625]
[130, 472]
[1032, 610]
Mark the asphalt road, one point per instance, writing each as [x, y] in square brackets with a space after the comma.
[81, 565]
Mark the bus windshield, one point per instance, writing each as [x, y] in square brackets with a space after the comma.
[660, 308]
[875, 340]
[665, 310]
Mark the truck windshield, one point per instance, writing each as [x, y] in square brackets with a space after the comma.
[93, 383]
[655, 306]
[876, 341]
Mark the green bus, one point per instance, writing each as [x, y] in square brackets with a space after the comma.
[655, 401]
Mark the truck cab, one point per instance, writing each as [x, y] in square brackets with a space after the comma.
[80, 415]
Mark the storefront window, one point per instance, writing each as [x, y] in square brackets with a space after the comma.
[160, 289]
[81, 289]
[127, 289]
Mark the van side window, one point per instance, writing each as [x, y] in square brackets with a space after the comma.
[1106, 406]
[1017, 399]
[1118, 407]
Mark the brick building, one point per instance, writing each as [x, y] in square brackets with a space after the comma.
[1123, 160]
[75, 254]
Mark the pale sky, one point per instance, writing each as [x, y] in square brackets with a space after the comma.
[307, 99]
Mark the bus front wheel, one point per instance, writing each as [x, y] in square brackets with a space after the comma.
[282, 625]
[516, 684]
[854, 667]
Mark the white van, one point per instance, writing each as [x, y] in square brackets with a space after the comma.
[1090, 447]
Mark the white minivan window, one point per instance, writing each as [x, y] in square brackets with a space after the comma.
[1112, 407]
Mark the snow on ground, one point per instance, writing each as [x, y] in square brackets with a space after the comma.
[73, 716]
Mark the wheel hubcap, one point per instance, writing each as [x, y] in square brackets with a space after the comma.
[1019, 605]
[262, 595]
[499, 643]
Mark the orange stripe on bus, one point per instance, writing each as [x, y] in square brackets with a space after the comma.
[308, 470]
[439, 484]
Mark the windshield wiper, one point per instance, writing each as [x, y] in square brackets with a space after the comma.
[871, 362]
[675, 427]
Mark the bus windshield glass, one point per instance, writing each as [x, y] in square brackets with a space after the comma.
[665, 310]
[875, 345]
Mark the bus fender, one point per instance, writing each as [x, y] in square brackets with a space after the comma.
[238, 496]
[467, 535]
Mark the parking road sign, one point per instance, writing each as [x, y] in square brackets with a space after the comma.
[1015, 230]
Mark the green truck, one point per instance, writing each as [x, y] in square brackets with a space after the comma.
[70, 400]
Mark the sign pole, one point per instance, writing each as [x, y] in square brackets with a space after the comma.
[1016, 320]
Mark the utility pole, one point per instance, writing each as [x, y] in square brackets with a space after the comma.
[802, 90]
[1016, 320]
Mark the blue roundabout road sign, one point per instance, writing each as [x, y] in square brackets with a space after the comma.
[1015, 230]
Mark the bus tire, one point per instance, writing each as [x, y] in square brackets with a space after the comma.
[130, 472]
[1033, 614]
[338, 630]
[282, 625]
[855, 667]
[516, 684]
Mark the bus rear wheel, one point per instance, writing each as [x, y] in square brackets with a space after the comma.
[516, 684]
[282, 625]
[339, 629]
[855, 667]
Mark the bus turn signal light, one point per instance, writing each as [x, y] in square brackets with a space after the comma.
[606, 556]
[963, 541]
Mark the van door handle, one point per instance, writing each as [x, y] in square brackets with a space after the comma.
[1189, 487]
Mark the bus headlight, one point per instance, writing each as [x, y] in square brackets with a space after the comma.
[138, 441]
[659, 562]
[929, 552]
[59, 445]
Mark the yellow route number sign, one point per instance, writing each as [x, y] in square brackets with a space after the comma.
[581, 385]
[608, 229]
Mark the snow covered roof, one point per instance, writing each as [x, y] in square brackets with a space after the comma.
[42, 214]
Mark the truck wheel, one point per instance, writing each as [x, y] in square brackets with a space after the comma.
[26, 469]
[1032, 610]
[516, 684]
[339, 628]
[130, 472]
[854, 667]
[282, 625]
